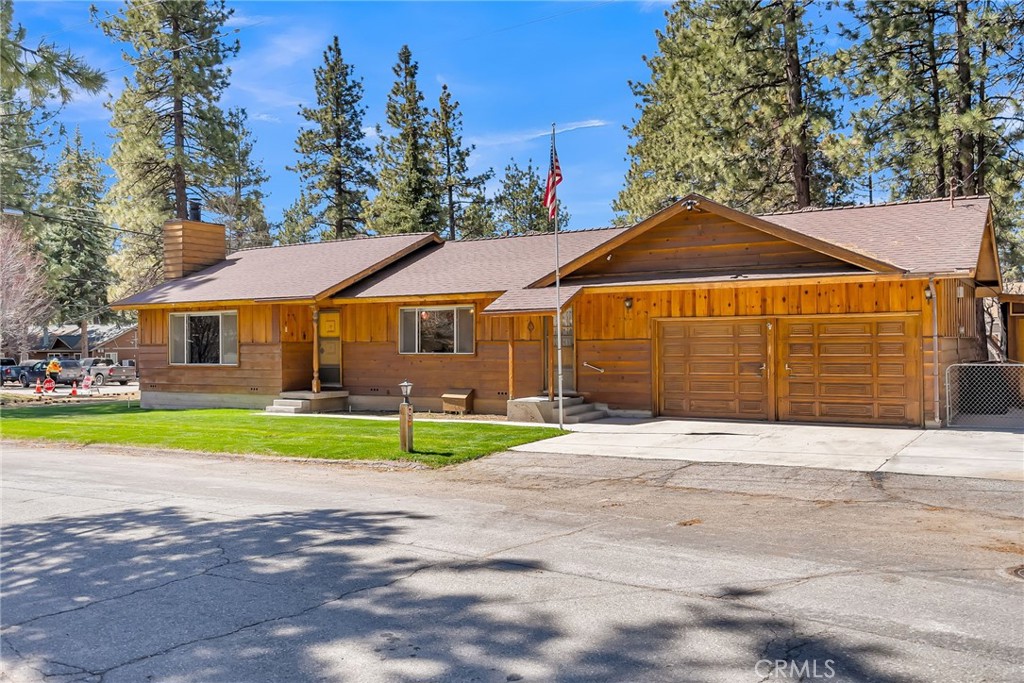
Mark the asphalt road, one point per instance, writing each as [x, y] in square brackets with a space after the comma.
[136, 566]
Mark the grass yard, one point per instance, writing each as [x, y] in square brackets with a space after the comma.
[245, 431]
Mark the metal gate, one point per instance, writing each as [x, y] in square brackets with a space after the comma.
[985, 395]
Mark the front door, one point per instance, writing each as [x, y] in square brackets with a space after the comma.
[330, 349]
[568, 354]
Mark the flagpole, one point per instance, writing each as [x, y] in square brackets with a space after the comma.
[558, 306]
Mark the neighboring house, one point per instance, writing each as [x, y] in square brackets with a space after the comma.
[1012, 317]
[837, 315]
[116, 342]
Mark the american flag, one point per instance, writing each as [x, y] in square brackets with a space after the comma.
[554, 177]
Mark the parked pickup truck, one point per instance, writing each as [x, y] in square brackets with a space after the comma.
[70, 371]
[104, 370]
[9, 370]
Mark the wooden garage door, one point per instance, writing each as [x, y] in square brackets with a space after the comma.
[713, 369]
[863, 370]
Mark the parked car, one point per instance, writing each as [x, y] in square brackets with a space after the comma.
[104, 370]
[70, 371]
[8, 370]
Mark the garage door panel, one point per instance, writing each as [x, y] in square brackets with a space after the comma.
[713, 368]
[866, 370]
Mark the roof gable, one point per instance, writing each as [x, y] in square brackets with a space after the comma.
[704, 243]
[696, 208]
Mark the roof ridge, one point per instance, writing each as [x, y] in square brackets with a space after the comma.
[926, 200]
[535, 234]
[340, 239]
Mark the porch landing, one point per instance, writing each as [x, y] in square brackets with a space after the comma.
[303, 402]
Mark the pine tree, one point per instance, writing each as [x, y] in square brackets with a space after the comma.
[519, 204]
[240, 202]
[734, 109]
[942, 113]
[299, 225]
[460, 190]
[42, 70]
[171, 140]
[334, 162]
[408, 197]
[76, 243]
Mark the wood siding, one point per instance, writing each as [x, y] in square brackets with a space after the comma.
[605, 324]
[190, 246]
[703, 242]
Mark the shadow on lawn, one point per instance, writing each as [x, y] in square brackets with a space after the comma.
[331, 595]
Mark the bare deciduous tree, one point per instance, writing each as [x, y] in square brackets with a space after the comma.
[24, 303]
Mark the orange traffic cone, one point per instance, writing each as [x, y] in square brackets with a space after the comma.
[74, 389]
[39, 386]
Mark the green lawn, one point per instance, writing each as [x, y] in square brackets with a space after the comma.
[245, 431]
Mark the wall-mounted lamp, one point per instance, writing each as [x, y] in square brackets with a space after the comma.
[629, 302]
[691, 204]
[959, 291]
[928, 294]
[608, 257]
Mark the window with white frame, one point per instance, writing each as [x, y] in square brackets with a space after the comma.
[435, 329]
[204, 338]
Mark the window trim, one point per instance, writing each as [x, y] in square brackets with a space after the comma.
[454, 308]
[220, 320]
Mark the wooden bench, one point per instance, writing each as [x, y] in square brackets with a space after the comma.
[457, 401]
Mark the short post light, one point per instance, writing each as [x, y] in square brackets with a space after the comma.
[405, 418]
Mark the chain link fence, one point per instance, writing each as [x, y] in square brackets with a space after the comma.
[985, 395]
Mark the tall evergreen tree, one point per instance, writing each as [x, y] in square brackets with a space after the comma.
[462, 207]
[735, 109]
[171, 139]
[408, 197]
[519, 203]
[240, 202]
[42, 70]
[76, 243]
[334, 162]
[941, 111]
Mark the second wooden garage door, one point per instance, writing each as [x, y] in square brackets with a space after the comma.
[862, 370]
[713, 369]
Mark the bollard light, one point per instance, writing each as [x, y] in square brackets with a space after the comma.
[406, 388]
[405, 418]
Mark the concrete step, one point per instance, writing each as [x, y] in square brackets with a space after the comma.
[292, 403]
[291, 410]
[577, 408]
[585, 417]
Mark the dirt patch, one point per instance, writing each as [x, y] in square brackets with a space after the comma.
[690, 522]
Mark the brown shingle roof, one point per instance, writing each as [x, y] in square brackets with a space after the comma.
[298, 271]
[484, 265]
[926, 236]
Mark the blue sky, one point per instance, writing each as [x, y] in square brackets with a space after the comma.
[515, 67]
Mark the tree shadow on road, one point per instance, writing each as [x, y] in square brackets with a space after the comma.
[168, 595]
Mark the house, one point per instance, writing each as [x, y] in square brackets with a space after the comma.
[116, 342]
[835, 315]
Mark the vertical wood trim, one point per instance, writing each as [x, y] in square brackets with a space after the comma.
[512, 364]
[316, 349]
[655, 368]
[771, 340]
[551, 359]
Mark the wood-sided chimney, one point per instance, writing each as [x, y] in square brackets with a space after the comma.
[191, 245]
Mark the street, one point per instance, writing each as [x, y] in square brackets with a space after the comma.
[133, 565]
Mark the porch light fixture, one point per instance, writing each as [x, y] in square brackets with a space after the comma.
[406, 388]
[629, 302]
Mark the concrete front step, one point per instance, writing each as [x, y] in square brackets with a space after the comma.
[291, 410]
[586, 416]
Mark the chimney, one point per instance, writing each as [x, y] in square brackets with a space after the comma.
[190, 246]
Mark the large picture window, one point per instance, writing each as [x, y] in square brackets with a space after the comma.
[436, 330]
[204, 338]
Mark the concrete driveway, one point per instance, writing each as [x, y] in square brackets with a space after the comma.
[945, 452]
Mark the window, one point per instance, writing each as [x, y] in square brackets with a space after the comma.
[204, 338]
[435, 330]
[111, 355]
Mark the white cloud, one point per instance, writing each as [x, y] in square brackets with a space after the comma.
[240, 20]
[370, 132]
[266, 118]
[517, 138]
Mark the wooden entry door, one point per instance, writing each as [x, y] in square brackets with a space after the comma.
[714, 369]
[330, 348]
[851, 369]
